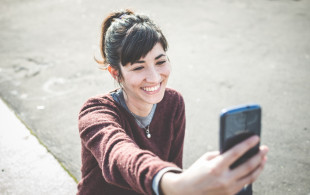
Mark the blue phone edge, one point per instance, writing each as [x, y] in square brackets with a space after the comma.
[239, 108]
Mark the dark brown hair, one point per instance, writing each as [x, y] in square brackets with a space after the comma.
[126, 37]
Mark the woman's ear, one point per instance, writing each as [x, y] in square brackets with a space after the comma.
[113, 72]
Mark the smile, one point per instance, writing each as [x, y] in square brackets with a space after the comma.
[151, 89]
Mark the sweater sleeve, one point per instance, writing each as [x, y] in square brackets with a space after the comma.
[176, 153]
[121, 160]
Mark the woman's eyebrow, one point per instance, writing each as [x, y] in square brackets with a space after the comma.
[159, 56]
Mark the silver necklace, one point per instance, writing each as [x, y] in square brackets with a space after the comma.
[147, 128]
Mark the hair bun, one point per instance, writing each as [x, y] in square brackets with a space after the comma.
[107, 23]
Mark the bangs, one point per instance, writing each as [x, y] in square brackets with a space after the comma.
[140, 39]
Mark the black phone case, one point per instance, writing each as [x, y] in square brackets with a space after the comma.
[246, 121]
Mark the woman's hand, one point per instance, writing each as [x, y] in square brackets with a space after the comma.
[211, 174]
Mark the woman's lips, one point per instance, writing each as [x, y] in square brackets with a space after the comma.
[151, 89]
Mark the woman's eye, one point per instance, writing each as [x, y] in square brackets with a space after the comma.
[138, 68]
[161, 62]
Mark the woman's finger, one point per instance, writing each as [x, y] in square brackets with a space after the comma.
[239, 184]
[230, 156]
[253, 176]
[248, 166]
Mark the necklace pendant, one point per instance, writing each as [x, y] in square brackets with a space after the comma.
[147, 131]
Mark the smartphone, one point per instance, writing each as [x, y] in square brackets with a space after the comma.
[237, 124]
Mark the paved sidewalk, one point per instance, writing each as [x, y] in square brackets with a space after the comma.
[223, 53]
[26, 167]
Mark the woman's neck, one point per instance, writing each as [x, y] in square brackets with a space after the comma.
[140, 109]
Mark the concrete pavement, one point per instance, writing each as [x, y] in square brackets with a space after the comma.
[26, 167]
[223, 53]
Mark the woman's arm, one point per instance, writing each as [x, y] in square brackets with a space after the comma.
[211, 174]
[122, 161]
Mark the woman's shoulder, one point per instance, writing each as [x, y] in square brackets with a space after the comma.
[100, 100]
[172, 98]
[172, 95]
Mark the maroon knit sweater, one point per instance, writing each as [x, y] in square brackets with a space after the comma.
[117, 157]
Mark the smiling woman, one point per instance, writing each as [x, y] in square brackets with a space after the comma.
[131, 134]
[132, 138]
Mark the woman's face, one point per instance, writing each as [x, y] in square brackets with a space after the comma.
[145, 80]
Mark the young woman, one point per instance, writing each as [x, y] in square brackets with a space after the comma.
[132, 138]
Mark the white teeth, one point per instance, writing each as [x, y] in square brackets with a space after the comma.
[150, 89]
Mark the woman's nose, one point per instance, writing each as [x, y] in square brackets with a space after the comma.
[153, 76]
